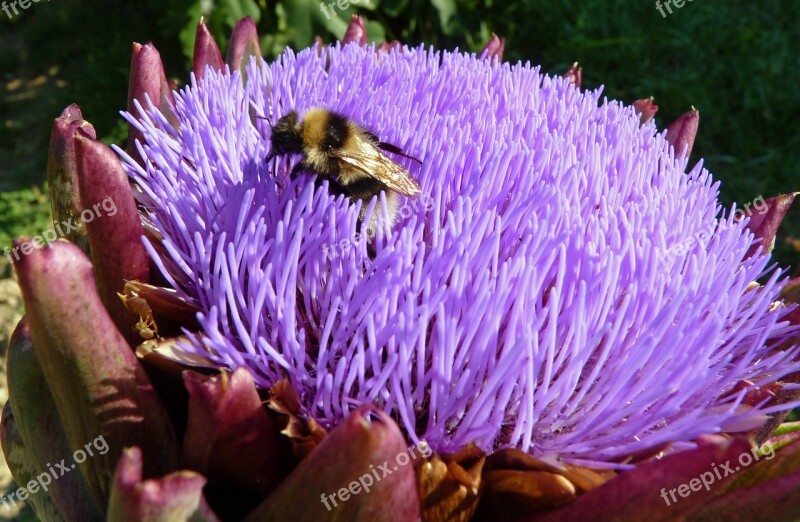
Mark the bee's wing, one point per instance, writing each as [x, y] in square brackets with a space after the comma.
[367, 158]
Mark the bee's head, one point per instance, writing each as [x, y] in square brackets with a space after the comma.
[286, 137]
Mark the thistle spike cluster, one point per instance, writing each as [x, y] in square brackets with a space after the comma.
[539, 304]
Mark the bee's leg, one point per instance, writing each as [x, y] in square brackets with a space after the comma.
[371, 230]
[335, 188]
[274, 159]
[382, 218]
[397, 150]
[389, 147]
[297, 168]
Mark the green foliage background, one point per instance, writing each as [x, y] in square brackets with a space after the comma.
[735, 61]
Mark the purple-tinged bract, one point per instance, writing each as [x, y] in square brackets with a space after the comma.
[562, 285]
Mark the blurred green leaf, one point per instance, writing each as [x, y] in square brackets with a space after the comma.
[375, 32]
[393, 8]
[368, 5]
[238, 9]
[336, 23]
[447, 11]
[23, 212]
[299, 15]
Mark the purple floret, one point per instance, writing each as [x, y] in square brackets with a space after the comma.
[562, 285]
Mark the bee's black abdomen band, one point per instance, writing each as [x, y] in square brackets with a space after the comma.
[337, 131]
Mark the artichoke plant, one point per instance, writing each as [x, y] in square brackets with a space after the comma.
[570, 327]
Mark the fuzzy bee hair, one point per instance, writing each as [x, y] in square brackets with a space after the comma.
[348, 155]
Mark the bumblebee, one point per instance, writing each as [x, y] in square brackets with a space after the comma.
[350, 156]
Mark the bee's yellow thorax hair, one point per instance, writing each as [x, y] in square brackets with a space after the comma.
[315, 125]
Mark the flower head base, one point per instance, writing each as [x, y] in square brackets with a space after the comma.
[539, 303]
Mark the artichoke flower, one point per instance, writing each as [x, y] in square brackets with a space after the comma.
[564, 325]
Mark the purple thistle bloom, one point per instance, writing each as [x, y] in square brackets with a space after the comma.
[562, 285]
